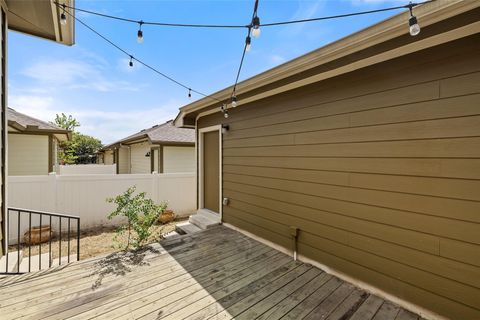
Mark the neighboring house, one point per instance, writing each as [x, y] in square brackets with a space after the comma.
[37, 18]
[162, 148]
[370, 146]
[33, 145]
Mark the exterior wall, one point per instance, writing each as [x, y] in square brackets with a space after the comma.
[140, 163]
[380, 171]
[178, 159]
[3, 120]
[28, 154]
[124, 160]
[108, 157]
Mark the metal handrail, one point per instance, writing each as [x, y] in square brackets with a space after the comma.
[20, 212]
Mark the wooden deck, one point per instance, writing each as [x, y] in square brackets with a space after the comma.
[214, 274]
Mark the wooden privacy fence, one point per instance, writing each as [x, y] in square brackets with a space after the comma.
[85, 195]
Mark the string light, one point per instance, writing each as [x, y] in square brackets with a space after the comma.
[63, 17]
[255, 24]
[256, 27]
[136, 59]
[253, 30]
[412, 22]
[140, 33]
[248, 42]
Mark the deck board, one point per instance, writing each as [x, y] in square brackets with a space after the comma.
[213, 274]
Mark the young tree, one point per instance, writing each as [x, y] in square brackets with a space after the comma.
[82, 148]
[68, 123]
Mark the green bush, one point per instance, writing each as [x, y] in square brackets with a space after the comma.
[141, 214]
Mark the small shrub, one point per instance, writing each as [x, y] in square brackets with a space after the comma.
[141, 214]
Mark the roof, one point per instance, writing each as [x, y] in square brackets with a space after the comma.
[42, 19]
[24, 123]
[383, 41]
[165, 133]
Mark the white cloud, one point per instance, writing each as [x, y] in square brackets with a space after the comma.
[74, 74]
[305, 10]
[106, 125]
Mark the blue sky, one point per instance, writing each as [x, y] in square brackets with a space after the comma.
[92, 81]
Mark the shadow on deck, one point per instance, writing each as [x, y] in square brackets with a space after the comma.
[214, 274]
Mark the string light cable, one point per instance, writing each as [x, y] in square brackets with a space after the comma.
[254, 25]
[133, 58]
[253, 30]
[271, 24]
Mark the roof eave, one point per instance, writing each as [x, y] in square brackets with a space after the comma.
[376, 34]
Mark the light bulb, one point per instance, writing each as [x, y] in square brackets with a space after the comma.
[63, 19]
[225, 114]
[234, 101]
[414, 27]
[256, 27]
[248, 42]
[140, 36]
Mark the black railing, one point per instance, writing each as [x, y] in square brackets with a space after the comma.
[24, 233]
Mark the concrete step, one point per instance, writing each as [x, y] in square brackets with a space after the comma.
[186, 228]
[35, 263]
[202, 221]
[12, 261]
[209, 214]
[171, 235]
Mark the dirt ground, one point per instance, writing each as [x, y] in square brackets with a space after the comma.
[93, 242]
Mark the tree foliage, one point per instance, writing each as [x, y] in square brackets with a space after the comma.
[68, 123]
[82, 148]
[141, 214]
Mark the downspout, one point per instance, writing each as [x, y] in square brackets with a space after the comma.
[294, 234]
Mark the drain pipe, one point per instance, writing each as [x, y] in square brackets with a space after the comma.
[294, 234]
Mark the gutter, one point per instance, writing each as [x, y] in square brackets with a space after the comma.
[381, 32]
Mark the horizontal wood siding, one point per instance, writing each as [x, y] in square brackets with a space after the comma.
[379, 169]
[28, 154]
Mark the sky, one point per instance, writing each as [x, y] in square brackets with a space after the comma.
[93, 82]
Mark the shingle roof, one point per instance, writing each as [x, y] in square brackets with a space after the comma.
[27, 122]
[161, 133]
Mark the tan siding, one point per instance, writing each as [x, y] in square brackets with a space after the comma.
[178, 159]
[140, 163]
[108, 157]
[124, 160]
[379, 169]
[27, 155]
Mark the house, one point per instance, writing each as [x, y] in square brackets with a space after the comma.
[366, 152]
[162, 148]
[32, 145]
[36, 18]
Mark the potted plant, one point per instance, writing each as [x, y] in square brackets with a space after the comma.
[38, 234]
[166, 216]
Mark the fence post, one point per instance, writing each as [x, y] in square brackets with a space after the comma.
[52, 188]
[154, 194]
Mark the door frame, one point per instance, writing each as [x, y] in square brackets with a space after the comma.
[200, 166]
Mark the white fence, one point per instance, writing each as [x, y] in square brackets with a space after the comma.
[80, 169]
[85, 195]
